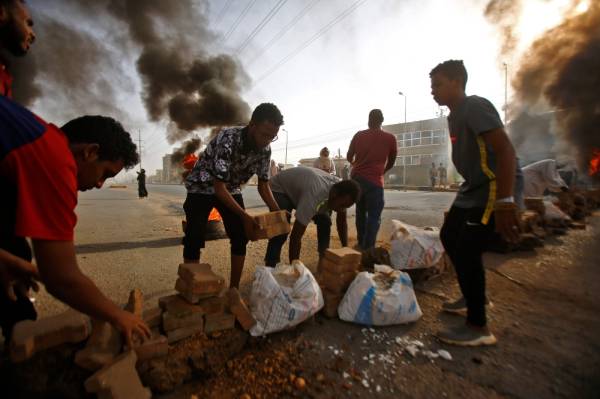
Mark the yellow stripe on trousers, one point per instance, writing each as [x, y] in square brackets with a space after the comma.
[490, 175]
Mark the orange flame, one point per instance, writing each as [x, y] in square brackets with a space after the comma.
[595, 162]
[214, 215]
[189, 161]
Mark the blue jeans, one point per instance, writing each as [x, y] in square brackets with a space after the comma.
[323, 222]
[368, 212]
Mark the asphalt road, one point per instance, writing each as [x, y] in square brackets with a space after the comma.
[419, 208]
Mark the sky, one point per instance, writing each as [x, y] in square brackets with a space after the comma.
[325, 84]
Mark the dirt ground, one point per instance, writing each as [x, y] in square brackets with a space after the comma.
[545, 317]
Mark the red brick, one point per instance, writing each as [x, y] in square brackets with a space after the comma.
[188, 271]
[163, 301]
[238, 307]
[336, 283]
[343, 255]
[30, 337]
[187, 292]
[181, 333]
[332, 301]
[135, 304]
[337, 268]
[174, 322]
[271, 224]
[157, 346]
[204, 283]
[218, 322]
[118, 380]
[101, 348]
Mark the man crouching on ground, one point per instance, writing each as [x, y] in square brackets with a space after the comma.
[314, 194]
[229, 161]
[41, 169]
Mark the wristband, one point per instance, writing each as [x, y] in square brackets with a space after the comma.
[506, 199]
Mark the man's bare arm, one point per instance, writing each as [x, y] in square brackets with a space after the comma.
[342, 227]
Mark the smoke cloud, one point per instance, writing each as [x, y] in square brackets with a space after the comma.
[559, 73]
[84, 68]
[504, 14]
[188, 147]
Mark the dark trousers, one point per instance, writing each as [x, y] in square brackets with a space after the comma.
[323, 222]
[197, 207]
[12, 312]
[465, 239]
[368, 212]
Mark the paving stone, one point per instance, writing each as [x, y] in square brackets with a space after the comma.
[30, 337]
[153, 317]
[156, 346]
[104, 344]
[135, 304]
[174, 322]
[118, 380]
[336, 283]
[343, 255]
[337, 268]
[187, 271]
[238, 308]
[218, 322]
[181, 333]
[271, 224]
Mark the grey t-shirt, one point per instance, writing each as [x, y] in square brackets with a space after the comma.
[473, 159]
[307, 188]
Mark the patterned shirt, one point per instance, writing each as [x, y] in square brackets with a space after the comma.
[231, 158]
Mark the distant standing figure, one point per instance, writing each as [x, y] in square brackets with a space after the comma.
[372, 152]
[142, 192]
[432, 175]
[346, 172]
[273, 169]
[443, 176]
[324, 162]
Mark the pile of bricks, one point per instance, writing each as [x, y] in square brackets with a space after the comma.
[202, 305]
[271, 224]
[337, 269]
[535, 204]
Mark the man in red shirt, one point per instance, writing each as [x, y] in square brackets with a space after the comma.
[41, 169]
[372, 152]
[16, 36]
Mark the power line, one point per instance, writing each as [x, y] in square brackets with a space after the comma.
[223, 11]
[316, 139]
[262, 24]
[316, 36]
[284, 30]
[238, 20]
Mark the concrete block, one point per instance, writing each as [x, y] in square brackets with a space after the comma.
[105, 343]
[181, 333]
[186, 291]
[174, 322]
[332, 301]
[188, 271]
[152, 317]
[238, 308]
[156, 346]
[337, 268]
[336, 283]
[343, 255]
[204, 283]
[271, 224]
[118, 380]
[218, 322]
[30, 337]
[163, 301]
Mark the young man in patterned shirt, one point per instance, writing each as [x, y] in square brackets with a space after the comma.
[230, 159]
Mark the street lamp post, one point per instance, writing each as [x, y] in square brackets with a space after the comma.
[286, 148]
[404, 155]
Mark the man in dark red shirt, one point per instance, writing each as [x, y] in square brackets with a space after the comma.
[372, 152]
[41, 169]
[16, 37]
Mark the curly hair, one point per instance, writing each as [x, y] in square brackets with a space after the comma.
[267, 112]
[114, 141]
[453, 70]
[347, 187]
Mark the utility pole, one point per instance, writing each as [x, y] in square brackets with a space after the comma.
[404, 155]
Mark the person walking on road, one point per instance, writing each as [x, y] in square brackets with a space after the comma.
[432, 175]
[141, 178]
[442, 176]
[314, 194]
[372, 152]
[484, 156]
[229, 161]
